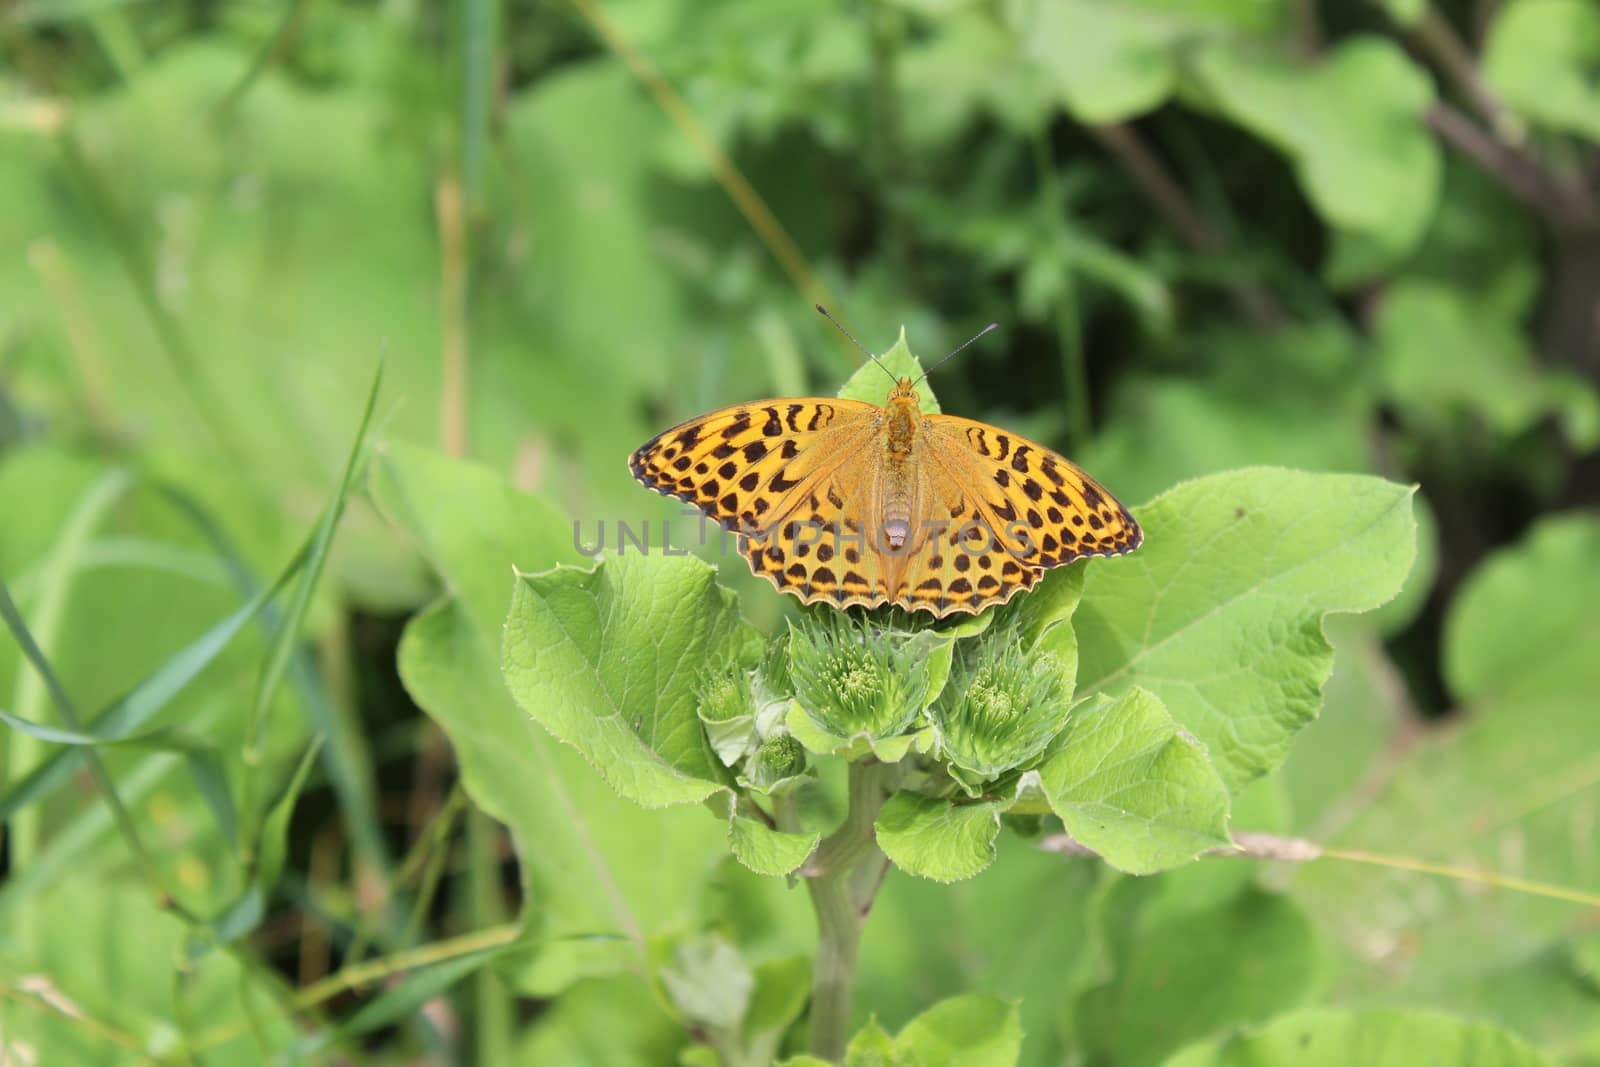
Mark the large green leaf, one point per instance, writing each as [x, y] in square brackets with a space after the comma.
[1447, 355]
[591, 862]
[1133, 786]
[1107, 62]
[1110, 62]
[1375, 1038]
[1543, 58]
[1220, 612]
[1508, 789]
[1351, 122]
[607, 661]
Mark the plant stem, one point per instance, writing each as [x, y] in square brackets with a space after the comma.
[841, 911]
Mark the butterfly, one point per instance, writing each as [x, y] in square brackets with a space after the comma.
[850, 503]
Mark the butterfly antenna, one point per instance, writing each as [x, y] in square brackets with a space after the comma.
[959, 349]
[858, 344]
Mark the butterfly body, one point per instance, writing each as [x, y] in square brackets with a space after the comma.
[850, 503]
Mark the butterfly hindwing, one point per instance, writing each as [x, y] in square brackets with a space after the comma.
[818, 552]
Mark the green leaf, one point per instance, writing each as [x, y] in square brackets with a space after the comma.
[1377, 1037]
[606, 660]
[1543, 58]
[617, 1022]
[1405, 12]
[968, 1031]
[760, 847]
[1525, 619]
[1108, 63]
[783, 986]
[871, 1046]
[870, 384]
[592, 861]
[1506, 789]
[1180, 972]
[129, 982]
[1219, 613]
[1351, 122]
[275, 827]
[282, 647]
[709, 982]
[1041, 962]
[934, 837]
[1133, 786]
[1490, 375]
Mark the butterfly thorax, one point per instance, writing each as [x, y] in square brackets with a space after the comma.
[901, 423]
[903, 415]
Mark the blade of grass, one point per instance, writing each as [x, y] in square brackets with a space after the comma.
[55, 583]
[424, 984]
[287, 637]
[347, 758]
[135, 707]
[205, 765]
[69, 715]
[275, 831]
[478, 946]
[142, 553]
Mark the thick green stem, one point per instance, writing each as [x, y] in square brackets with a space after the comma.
[841, 901]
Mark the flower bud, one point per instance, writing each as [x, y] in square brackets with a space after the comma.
[779, 757]
[727, 709]
[1001, 708]
[855, 678]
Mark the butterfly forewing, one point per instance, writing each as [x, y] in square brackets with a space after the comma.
[752, 466]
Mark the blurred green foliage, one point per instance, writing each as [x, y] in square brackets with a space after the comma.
[1345, 237]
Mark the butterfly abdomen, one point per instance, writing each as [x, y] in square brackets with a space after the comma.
[901, 424]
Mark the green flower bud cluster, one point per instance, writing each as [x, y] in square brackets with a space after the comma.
[857, 680]
[743, 714]
[1001, 707]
